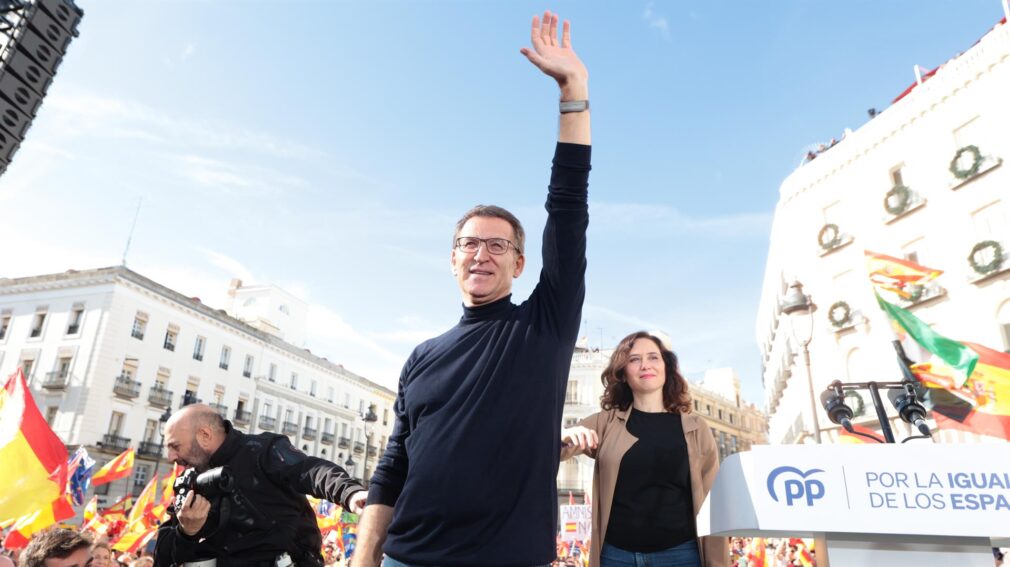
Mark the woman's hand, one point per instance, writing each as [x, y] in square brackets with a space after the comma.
[578, 440]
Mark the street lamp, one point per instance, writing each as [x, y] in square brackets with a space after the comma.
[369, 418]
[161, 432]
[349, 464]
[800, 309]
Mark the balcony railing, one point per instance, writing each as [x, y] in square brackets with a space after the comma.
[149, 449]
[242, 416]
[159, 397]
[188, 399]
[372, 450]
[115, 443]
[268, 423]
[56, 380]
[309, 433]
[289, 428]
[126, 387]
[327, 438]
[220, 409]
[344, 442]
[359, 447]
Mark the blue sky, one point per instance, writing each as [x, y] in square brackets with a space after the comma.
[328, 147]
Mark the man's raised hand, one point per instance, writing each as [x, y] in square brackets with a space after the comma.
[555, 57]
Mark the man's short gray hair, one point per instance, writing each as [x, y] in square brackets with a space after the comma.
[494, 211]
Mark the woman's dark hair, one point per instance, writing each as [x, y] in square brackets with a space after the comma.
[617, 393]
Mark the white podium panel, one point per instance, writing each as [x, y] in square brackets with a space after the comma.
[871, 502]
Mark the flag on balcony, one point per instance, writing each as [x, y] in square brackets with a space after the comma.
[956, 355]
[980, 405]
[33, 460]
[896, 275]
[115, 469]
[80, 468]
[26, 526]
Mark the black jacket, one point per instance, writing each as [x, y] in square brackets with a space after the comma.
[267, 514]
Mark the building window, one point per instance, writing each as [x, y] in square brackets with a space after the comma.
[272, 376]
[140, 475]
[225, 358]
[248, 366]
[347, 401]
[708, 409]
[150, 430]
[294, 380]
[38, 323]
[171, 337]
[330, 394]
[720, 414]
[5, 323]
[896, 176]
[63, 366]
[572, 392]
[198, 348]
[732, 418]
[116, 423]
[696, 407]
[312, 388]
[571, 421]
[385, 416]
[76, 317]
[27, 365]
[51, 414]
[139, 326]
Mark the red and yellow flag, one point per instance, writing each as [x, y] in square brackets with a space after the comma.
[22, 530]
[33, 460]
[896, 275]
[845, 437]
[142, 513]
[160, 510]
[134, 541]
[115, 469]
[981, 405]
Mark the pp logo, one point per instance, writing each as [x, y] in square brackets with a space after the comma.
[804, 488]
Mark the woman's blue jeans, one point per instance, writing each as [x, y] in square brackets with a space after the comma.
[683, 555]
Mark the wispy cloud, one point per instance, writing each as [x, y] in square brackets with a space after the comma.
[234, 267]
[189, 50]
[664, 219]
[656, 20]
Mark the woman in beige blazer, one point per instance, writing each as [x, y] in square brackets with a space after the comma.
[655, 463]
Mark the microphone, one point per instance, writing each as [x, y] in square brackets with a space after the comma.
[909, 409]
[838, 411]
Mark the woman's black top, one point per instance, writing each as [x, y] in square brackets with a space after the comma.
[652, 508]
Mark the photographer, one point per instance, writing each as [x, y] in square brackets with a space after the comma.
[260, 517]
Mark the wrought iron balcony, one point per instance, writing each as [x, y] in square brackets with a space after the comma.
[344, 442]
[289, 428]
[309, 433]
[126, 387]
[268, 423]
[242, 416]
[372, 450]
[189, 398]
[159, 397]
[115, 443]
[327, 438]
[359, 447]
[149, 449]
[220, 409]
[56, 380]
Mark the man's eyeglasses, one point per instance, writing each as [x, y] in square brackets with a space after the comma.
[496, 246]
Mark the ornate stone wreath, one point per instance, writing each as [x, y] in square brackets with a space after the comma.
[976, 162]
[997, 257]
[829, 236]
[900, 196]
[840, 314]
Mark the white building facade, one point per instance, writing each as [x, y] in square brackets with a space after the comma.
[109, 354]
[894, 187]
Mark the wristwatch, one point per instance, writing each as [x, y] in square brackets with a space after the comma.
[567, 106]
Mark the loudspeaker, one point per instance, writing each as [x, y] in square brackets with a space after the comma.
[38, 43]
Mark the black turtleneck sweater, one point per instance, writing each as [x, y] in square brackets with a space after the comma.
[472, 461]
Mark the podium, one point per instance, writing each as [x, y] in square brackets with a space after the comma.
[913, 504]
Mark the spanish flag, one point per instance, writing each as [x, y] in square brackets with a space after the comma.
[115, 469]
[861, 435]
[133, 541]
[119, 509]
[980, 405]
[22, 530]
[896, 275]
[33, 460]
[142, 513]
